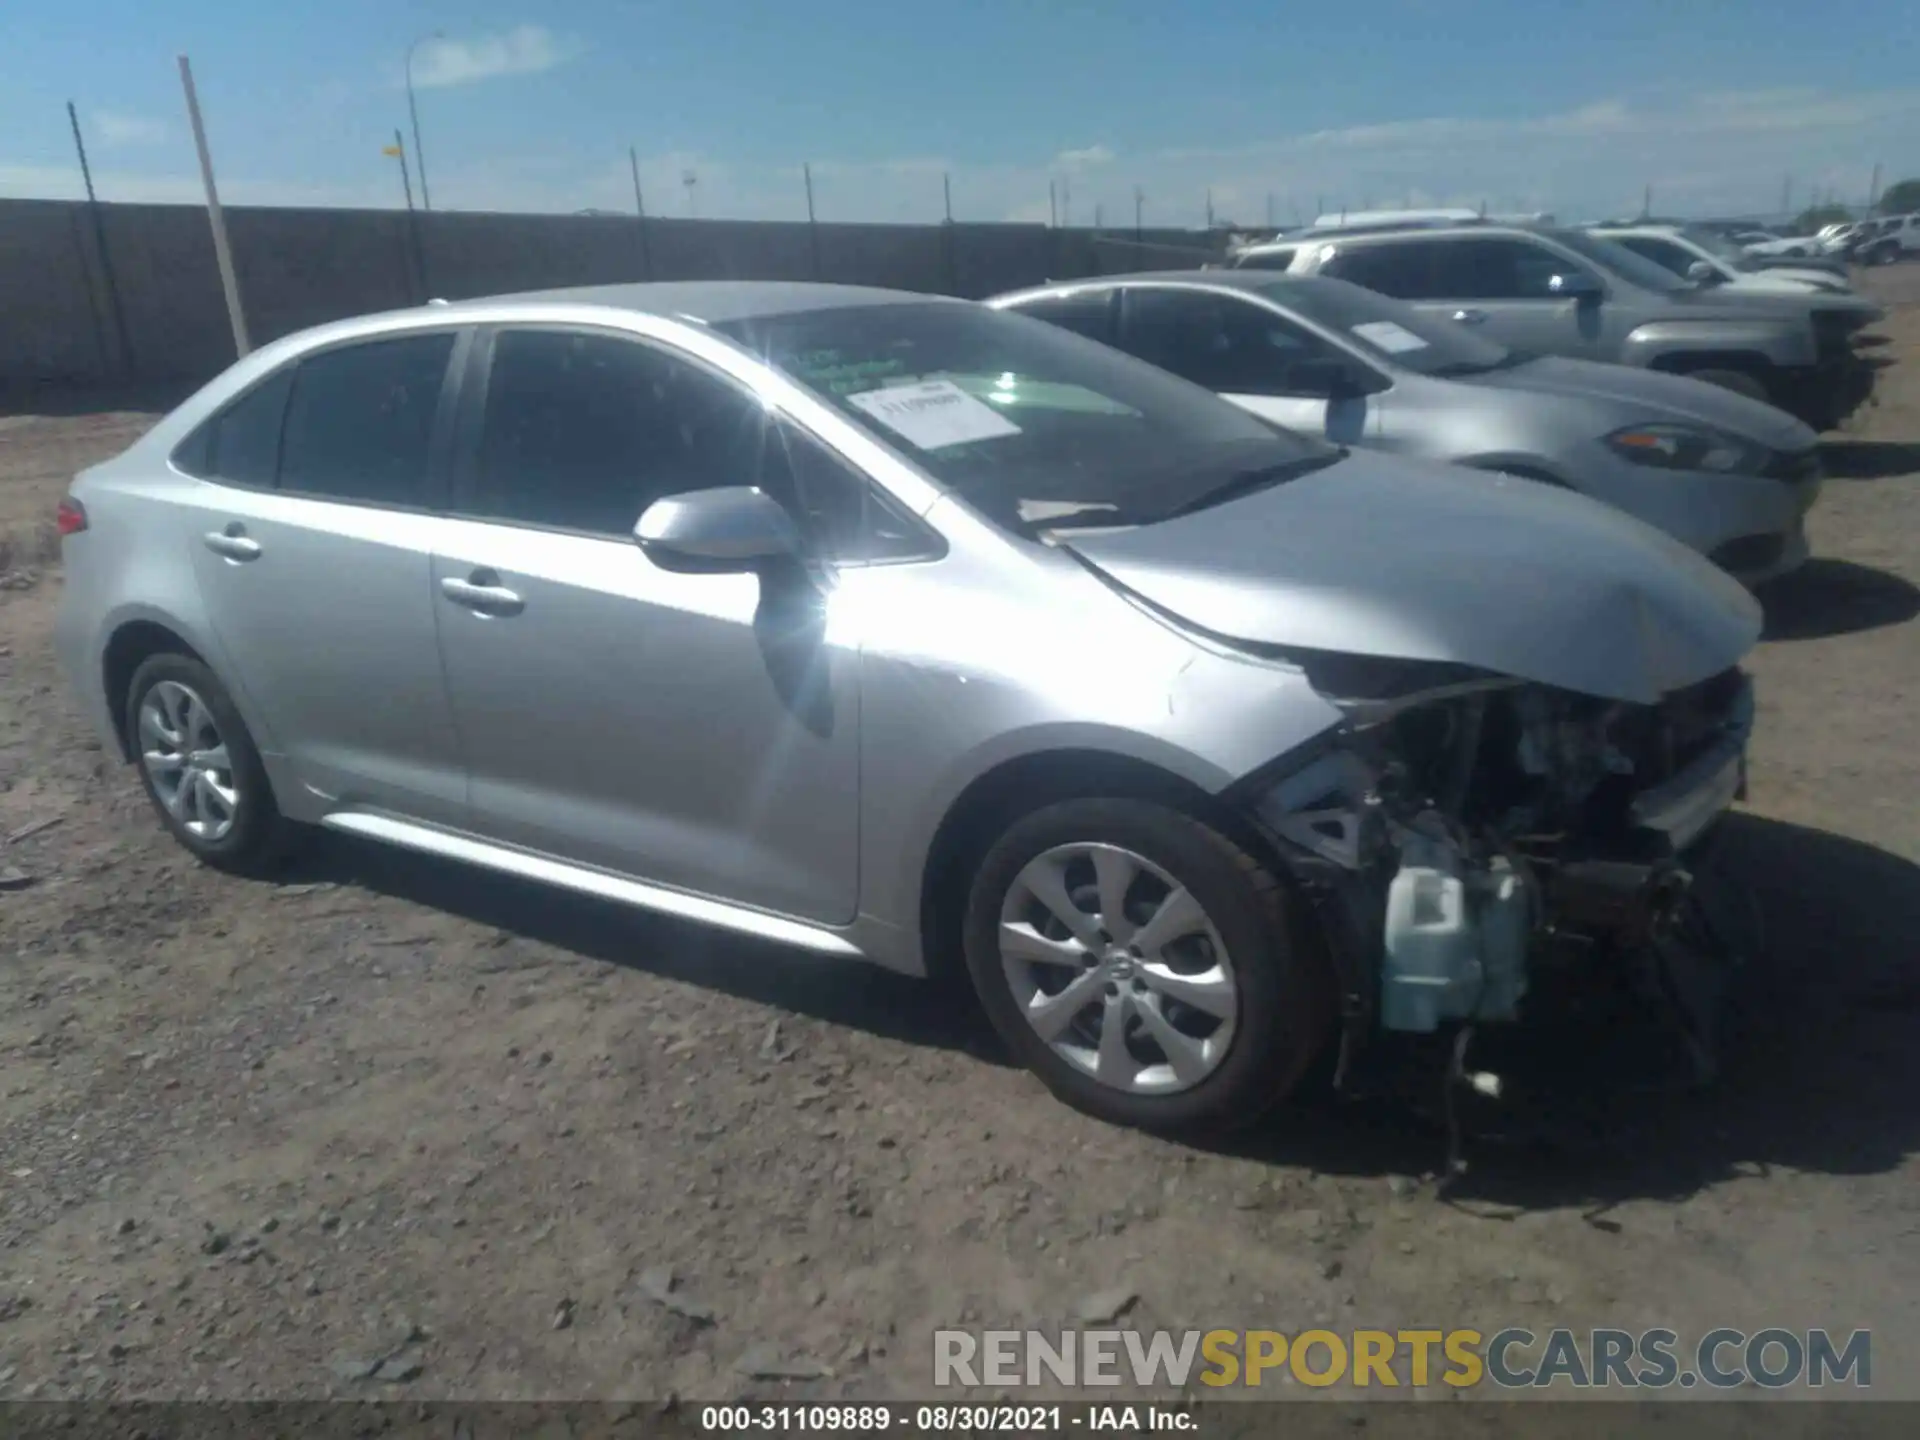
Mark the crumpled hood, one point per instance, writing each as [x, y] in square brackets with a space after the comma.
[1403, 559]
[1654, 396]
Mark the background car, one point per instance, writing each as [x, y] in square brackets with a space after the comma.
[899, 628]
[1729, 476]
[1564, 292]
[1700, 255]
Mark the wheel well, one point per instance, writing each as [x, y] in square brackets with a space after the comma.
[1743, 361]
[131, 646]
[997, 798]
[1525, 472]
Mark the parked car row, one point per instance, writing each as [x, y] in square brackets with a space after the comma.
[1195, 734]
[1572, 293]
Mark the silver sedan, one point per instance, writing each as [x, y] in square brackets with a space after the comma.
[900, 629]
[1730, 476]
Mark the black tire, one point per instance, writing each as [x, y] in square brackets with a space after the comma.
[1285, 997]
[260, 838]
[1738, 381]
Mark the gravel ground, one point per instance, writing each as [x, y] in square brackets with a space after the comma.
[255, 1138]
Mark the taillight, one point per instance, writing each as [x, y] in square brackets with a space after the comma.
[71, 517]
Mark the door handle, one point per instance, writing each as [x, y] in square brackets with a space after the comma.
[232, 543]
[1471, 317]
[483, 592]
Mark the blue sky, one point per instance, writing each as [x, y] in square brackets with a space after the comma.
[1570, 107]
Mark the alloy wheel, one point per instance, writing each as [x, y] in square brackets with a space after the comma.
[1118, 968]
[186, 761]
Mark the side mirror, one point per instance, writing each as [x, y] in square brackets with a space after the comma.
[1701, 273]
[732, 530]
[1574, 285]
[1327, 379]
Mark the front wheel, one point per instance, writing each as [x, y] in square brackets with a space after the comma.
[1150, 971]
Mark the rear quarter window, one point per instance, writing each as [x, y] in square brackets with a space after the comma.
[241, 445]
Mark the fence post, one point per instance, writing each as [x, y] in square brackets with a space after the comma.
[100, 243]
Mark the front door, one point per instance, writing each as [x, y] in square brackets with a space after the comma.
[312, 548]
[694, 731]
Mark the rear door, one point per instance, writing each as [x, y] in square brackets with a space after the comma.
[1253, 356]
[312, 547]
[695, 731]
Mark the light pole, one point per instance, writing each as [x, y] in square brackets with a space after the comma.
[413, 114]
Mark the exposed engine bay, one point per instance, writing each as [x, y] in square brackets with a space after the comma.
[1469, 833]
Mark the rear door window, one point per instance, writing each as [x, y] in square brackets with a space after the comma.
[359, 425]
[241, 445]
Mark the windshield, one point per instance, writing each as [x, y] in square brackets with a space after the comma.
[1029, 423]
[1635, 269]
[1388, 330]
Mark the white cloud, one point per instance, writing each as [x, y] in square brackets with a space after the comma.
[1091, 155]
[1715, 153]
[523, 50]
[115, 128]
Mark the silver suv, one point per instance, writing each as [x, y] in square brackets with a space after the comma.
[899, 628]
[1563, 292]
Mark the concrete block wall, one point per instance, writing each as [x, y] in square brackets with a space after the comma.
[61, 320]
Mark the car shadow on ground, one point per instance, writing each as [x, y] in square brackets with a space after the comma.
[837, 991]
[1820, 1064]
[1824, 598]
[1869, 459]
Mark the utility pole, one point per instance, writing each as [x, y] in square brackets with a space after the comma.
[1646, 203]
[1053, 206]
[398, 150]
[222, 255]
[689, 179]
[640, 209]
[1209, 209]
[413, 115]
[100, 243]
[1873, 190]
[1786, 198]
[813, 229]
[952, 253]
[1066, 201]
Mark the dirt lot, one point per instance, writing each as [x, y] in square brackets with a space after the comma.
[253, 1138]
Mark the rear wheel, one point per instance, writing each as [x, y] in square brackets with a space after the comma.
[1149, 970]
[201, 769]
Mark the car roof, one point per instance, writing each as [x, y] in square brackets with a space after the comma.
[715, 301]
[1272, 283]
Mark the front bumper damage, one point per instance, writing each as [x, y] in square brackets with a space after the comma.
[1471, 843]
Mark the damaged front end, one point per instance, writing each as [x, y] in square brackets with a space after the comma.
[1469, 835]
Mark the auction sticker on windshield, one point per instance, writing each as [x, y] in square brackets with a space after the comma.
[1392, 338]
[933, 414]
